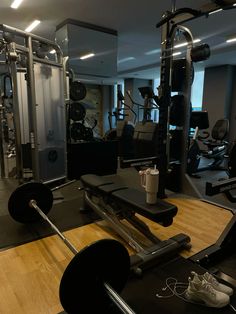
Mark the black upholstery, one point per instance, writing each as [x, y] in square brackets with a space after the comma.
[219, 133]
[217, 145]
[145, 139]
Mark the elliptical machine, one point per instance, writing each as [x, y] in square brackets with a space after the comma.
[124, 130]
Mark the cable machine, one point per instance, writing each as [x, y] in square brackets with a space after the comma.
[38, 99]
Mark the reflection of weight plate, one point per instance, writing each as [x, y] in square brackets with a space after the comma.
[77, 111]
[77, 90]
[88, 134]
[77, 131]
[52, 155]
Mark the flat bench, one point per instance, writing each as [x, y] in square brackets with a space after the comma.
[114, 202]
[129, 199]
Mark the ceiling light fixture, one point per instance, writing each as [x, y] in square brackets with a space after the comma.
[197, 40]
[32, 26]
[15, 4]
[231, 40]
[126, 59]
[216, 11]
[88, 55]
[152, 52]
[176, 53]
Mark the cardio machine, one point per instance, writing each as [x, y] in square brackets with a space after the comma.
[216, 146]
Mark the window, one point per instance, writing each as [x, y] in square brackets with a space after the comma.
[197, 90]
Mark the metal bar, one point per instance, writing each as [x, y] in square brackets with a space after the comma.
[118, 300]
[63, 185]
[34, 205]
[2, 157]
[185, 186]
[115, 223]
[16, 116]
[184, 15]
[32, 111]
[165, 99]
[19, 32]
[22, 48]
[49, 62]
[173, 6]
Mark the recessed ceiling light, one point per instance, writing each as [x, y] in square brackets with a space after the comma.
[15, 4]
[152, 52]
[32, 26]
[197, 40]
[177, 53]
[88, 55]
[216, 11]
[126, 59]
[231, 40]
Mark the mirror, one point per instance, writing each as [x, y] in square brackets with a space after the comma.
[92, 50]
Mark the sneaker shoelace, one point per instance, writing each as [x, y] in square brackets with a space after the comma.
[211, 279]
[208, 288]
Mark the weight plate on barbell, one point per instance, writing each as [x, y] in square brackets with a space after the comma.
[82, 287]
[18, 204]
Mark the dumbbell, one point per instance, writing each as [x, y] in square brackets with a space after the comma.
[94, 277]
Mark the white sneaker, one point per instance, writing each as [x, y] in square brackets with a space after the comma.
[215, 284]
[202, 291]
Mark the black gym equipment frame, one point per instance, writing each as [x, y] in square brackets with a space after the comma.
[170, 24]
[225, 245]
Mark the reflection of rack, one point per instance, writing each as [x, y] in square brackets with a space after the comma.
[148, 95]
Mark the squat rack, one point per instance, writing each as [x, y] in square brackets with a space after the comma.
[170, 25]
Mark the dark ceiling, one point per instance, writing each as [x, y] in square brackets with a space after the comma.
[135, 23]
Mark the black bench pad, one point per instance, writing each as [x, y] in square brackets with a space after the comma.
[136, 201]
[130, 199]
[94, 181]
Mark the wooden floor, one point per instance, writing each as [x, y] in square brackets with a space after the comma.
[30, 274]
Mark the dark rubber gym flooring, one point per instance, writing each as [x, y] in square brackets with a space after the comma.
[212, 176]
[140, 293]
[65, 214]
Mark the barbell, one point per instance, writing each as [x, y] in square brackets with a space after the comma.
[95, 276]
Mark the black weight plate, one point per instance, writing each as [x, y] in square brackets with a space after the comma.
[77, 90]
[18, 204]
[77, 111]
[77, 131]
[82, 289]
[88, 134]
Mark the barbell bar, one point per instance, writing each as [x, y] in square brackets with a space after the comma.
[95, 273]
